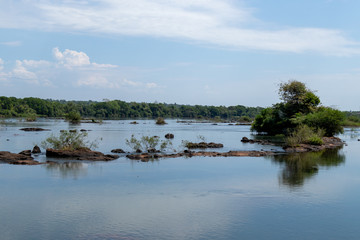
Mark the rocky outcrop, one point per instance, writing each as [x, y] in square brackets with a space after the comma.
[25, 152]
[36, 149]
[33, 129]
[328, 143]
[258, 141]
[17, 159]
[191, 145]
[118, 150]
[80, 154]
[148, 156]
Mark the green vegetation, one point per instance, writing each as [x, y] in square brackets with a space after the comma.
[15, 107]
[68, 141]
[147, 143]
[304, 134]
[300, 106]
[160, 121]
[73, 117]
[352, 119]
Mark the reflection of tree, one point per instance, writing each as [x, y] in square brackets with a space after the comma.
[301, 166]
[68, 169]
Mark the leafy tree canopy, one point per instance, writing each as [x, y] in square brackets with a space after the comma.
[299, 106]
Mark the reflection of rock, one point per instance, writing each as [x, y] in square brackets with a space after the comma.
[169, 136]
[301, 166]
[33, 129]
[36, 149]
[13, 158]
[148, 156]
[81, 154]
[328, 143]
[67, 169]
[118, 150]
[191, 145]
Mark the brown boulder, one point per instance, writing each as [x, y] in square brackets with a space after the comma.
[80, 154]
[36, 149]
[18, 159]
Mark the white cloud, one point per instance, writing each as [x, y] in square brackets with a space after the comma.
[71, 58]
[1, 64]
[11, 44]
[220, 22]
[21, 72]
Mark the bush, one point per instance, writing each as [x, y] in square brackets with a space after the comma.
[328, 119]
[304, 134]
[147, 143]
[160, 121]
[73, 117]
[69, 141]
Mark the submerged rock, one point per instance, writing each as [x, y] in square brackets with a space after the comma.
[17, 159]
[169, 136]
[33, 129]
[80, 154]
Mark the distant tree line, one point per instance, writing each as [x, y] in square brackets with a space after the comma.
[116, 109]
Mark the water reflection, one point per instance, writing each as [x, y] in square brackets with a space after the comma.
[300, 167]
[68, 169]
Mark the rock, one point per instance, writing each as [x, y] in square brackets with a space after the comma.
[118, 150]
[328, 143]
[169, 136]
[36, 149]
[134, 122]
[80, 154]
[144, 157]
[263, 142]
[33, 129]
[25, 152]
[18, 159]
[73, 130]
[83, 130]
[151, 150]
[191, 145]
[138, 151]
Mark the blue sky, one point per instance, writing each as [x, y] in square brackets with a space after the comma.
[208, 52]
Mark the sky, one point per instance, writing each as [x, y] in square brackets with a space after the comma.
[207, 52]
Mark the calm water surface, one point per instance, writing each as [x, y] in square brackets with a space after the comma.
[283, 197]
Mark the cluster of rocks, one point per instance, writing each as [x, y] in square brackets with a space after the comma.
[328, 143]
[144, 157]
[21, 158]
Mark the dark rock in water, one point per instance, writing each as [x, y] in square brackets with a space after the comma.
[83, 130]
[169, 136]
[25, 152]
[73, 130]
[33, 129]
[134, 122]
[138, 151]
[263, 142]
[151, 150]
[36, 149]
[18, 159]
[191, 145]
[80, 154]
[118, 150]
